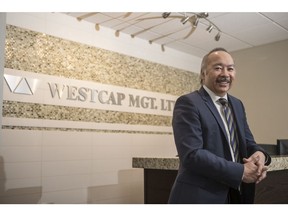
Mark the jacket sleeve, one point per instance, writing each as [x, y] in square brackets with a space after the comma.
[251, 145]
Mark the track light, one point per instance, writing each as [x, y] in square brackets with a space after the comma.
[203, 15]
[195, 23]
[185, 19]
[193, 18]
[209, 29]
[217, 37]
[166, 14]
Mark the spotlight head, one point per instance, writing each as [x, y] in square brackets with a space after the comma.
[166, 14]
[185, 19]
[203, 15]
[209, 29]
[217, 37]
[195, 23]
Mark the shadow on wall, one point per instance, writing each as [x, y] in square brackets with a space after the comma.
[129, 190]
[29, 195]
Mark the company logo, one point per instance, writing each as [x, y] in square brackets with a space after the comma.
[21, 85]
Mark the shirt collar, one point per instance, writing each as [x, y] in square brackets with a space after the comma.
[213, 96]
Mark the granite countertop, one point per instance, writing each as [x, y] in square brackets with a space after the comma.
[172, 163]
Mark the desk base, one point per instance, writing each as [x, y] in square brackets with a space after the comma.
[158, 183]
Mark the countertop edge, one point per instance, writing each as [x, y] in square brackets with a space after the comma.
[172, 163]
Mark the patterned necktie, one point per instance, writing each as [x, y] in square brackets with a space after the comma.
[231, 126]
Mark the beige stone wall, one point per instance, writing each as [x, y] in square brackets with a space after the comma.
[36, 52]
[32, 51]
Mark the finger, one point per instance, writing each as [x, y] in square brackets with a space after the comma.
[259, 171]
[246, 160]
[253, 159]
[262, 169]
[256, 159]
[263, 176]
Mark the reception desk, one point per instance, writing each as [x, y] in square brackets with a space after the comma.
[160, 173]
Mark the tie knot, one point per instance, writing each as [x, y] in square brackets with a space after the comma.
[223, 101]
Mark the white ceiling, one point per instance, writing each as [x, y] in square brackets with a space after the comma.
[239, 30]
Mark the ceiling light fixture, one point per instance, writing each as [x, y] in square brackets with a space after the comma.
[202, 18]
[195, 23]
[166, 14]
[203, 15]
[217, 37]
[192, 20]
[185, 20]
[210, 28]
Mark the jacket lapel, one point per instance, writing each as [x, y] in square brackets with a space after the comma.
[209, 103]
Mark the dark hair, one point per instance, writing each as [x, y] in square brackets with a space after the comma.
[204, 61]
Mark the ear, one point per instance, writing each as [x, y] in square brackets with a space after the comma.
[202, 75]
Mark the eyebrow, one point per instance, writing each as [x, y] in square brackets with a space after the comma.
[220, 64]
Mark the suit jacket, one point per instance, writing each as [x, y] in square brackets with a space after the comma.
[206, 171]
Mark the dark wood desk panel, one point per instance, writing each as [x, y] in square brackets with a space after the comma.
[273, 189]
[158, 184]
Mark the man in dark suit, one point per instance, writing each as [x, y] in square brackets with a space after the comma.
[209, 171]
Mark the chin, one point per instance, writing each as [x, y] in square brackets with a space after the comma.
[224, 89]
[222, 92]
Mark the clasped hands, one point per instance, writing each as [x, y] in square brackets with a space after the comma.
[254, 168]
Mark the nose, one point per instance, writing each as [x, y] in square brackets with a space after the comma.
[225, 71]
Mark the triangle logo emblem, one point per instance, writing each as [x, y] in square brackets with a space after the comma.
[20, 85]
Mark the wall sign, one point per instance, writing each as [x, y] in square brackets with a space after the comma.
[39, 88]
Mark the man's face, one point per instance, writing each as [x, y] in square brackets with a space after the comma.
[220, 72]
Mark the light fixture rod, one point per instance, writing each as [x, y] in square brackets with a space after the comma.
[147, 29]
[80, 18]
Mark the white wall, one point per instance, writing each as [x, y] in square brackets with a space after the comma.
[2, 51]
